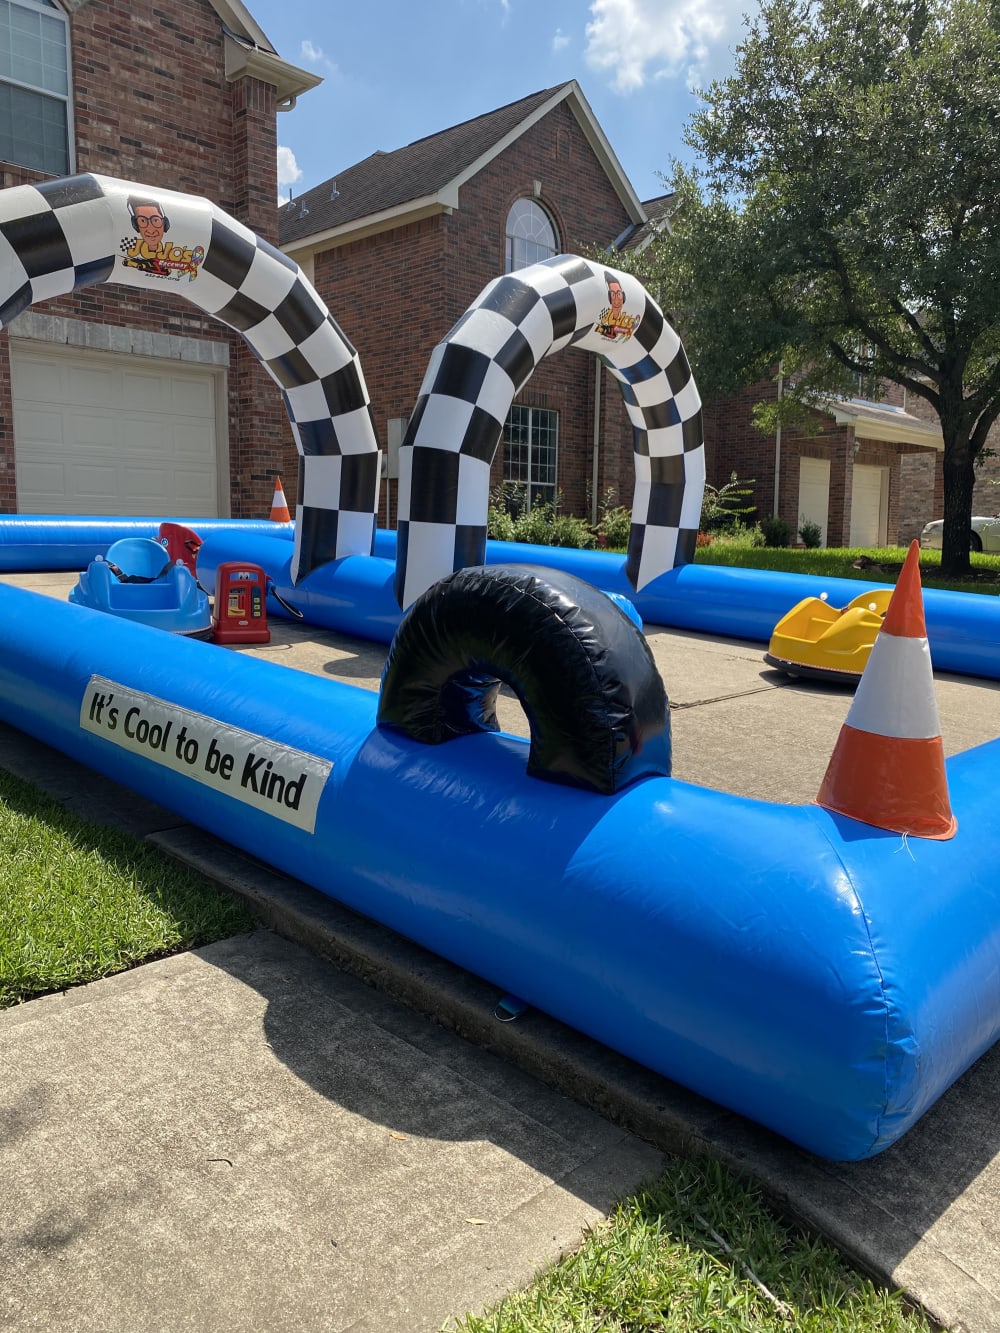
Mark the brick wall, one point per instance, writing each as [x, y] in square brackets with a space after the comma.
[986, 492]
[916, 507]
[734, 444]
[152, 104]
[397, 294]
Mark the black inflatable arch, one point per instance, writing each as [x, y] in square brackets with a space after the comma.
[582, 670]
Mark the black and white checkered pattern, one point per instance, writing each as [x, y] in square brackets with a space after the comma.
[473, 375]
[77, 231]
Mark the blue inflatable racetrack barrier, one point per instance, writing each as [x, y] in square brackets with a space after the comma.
[53, 542]
[355, 595]
[783, 961]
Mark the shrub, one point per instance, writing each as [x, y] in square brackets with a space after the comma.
[499, 524]
[745, 536]
[535, 525]
[776, 531]
[569, 531]
[811, 534]
[615, 523]
[722, 506]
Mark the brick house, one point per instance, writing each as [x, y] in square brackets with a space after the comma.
[400, 244]
[867, 473]
[123, 401]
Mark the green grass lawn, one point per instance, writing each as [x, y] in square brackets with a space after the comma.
[876, 566]
[700, 1251]
[79, 901]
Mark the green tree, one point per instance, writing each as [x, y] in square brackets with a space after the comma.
[843, 217]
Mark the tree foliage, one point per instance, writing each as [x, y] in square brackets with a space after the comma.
[843, 217]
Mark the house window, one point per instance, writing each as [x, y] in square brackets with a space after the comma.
[529, 460]
[531, 235]
[34, 85]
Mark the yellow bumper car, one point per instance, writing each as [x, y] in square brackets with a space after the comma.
[819, 642]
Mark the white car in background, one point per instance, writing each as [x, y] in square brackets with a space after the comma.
[985, 535]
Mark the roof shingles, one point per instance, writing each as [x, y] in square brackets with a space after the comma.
[387, 180]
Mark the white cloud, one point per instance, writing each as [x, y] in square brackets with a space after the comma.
[289, 172]
[315, 55]
[642, 40]
[560, 41]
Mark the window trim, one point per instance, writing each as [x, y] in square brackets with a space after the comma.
[55, 9]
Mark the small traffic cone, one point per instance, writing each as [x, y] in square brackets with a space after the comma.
[887, 768]
[279, 505]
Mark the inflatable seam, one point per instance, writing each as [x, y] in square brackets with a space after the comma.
[881, 985]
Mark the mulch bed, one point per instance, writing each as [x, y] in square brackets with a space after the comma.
[889, 573]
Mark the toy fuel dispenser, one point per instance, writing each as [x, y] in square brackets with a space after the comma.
[241, 604]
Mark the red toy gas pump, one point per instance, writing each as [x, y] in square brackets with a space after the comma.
[240, 604]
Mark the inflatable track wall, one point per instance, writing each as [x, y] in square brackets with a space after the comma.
[786, 962]
[474, 373]
[64, 234]
[355, 596]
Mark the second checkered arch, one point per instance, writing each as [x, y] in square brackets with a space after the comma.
[478, 368]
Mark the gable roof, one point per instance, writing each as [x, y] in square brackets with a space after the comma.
[658, 213]
[424, 177]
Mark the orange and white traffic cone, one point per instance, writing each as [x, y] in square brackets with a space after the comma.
[279, 505]
[887, 768]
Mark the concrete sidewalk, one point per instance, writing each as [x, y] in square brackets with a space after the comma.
[247, 1137]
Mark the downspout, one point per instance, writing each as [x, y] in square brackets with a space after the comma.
[777, 444]
[595, 473]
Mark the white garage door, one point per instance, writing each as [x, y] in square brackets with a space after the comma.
[814, 493]
[868, 506]
[110, 433]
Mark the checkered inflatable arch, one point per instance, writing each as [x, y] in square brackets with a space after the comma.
[473, 375]
[81, 230]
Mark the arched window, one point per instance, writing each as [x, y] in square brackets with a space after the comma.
[531, 235]
[34, 85]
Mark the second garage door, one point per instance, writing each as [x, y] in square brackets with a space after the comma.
[109, 433]
[868, 506]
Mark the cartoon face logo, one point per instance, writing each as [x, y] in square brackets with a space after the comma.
[150, 223]
[613, 324]
[150, 252]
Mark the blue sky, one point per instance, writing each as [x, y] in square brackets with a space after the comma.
[397, 70]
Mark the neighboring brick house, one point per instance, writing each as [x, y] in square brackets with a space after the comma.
[867, 473]
[123, 401]
[400, 244]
